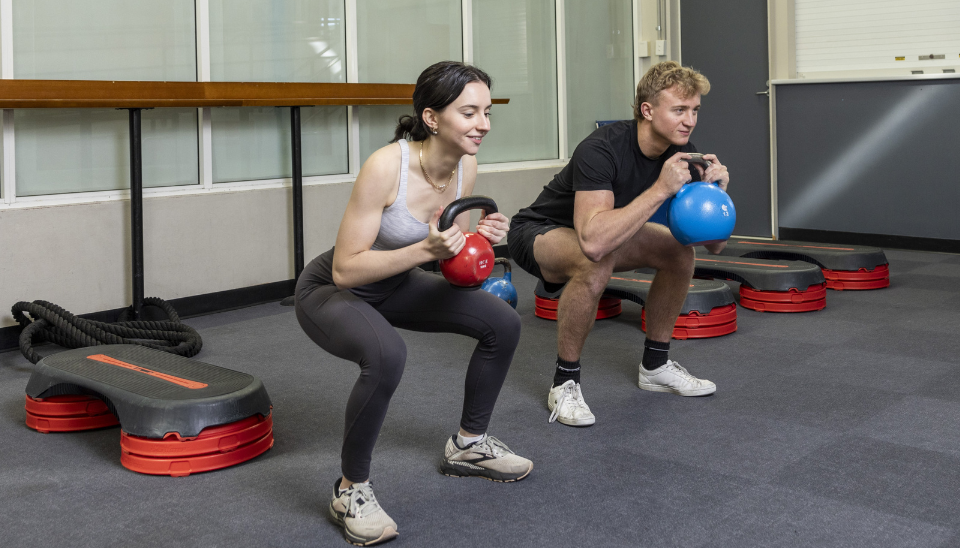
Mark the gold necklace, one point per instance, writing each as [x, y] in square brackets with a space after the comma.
[439, 188]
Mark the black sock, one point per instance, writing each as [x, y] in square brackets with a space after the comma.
[654, 354]
[566, 371]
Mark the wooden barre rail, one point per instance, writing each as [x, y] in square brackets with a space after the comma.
[131, 94]
[135, 96]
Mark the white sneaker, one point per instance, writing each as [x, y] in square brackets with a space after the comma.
[673, 377]
[567, 405]
[363, 520]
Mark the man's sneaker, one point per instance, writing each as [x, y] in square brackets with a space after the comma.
[673, 377]
[488, 458]
[363, 520]
[567, 406]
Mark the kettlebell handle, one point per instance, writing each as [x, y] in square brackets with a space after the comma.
[505, 262]
[467, 203]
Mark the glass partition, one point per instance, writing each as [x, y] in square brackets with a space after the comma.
[599, 51]
[80, 150]
[396, 40]
[277, 41]
[515, 42]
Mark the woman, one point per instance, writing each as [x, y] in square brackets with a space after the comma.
[350, 299]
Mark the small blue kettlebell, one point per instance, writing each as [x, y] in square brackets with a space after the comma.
[700, 213]
[502, 287]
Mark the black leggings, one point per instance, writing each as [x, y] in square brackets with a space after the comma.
[353, 329]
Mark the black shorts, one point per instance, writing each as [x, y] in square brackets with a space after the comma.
[520, 244]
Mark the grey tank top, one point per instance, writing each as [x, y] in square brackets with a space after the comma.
[398, 227]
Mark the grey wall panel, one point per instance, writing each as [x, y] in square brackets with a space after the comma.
[727, 42]
[77, 255]
[870, 157]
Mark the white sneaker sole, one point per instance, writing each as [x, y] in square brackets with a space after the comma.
[660, 388]
[387, 534]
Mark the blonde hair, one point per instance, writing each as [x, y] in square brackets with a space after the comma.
[665, 75]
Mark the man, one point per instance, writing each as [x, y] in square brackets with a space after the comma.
[591, 221]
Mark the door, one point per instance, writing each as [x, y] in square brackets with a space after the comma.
[727, 42]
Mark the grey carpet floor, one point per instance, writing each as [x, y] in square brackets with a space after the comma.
[830, 428]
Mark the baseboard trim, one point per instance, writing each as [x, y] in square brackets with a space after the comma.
[875, 240]
[186, 307]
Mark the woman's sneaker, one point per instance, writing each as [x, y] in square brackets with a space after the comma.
[673, 377]
[567, 406]
[488, 458]
[363, 520]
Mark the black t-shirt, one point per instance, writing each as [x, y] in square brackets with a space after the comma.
[609, 159]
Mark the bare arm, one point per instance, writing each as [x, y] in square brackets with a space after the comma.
[493, 227]
[601, 229]
[354, 263]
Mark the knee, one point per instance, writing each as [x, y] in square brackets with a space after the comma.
[681, 259]
[506, 330]
[594, 276]
[387, 368]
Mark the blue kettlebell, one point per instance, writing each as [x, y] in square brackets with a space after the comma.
[700, 213]
[502, 287]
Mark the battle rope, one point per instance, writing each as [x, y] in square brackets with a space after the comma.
[49, 322]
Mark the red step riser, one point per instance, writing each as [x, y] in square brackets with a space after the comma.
[217, 439]
[699, 333]
[551, 304]
[602, 313]
[862, 275]
[184, 466]
[817, 293]
[45, 425]
[66, 406]
[783, 307]
[857, 286]
[718, 316]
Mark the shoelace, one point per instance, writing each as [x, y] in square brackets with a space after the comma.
[492, 446]
[571, 393]
[362, 501]
[682, 371]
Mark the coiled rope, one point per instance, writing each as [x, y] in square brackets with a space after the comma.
[49, 322]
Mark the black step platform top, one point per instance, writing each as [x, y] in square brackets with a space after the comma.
[152, 392]
[703, 296]
[760, 274]
[831, 257]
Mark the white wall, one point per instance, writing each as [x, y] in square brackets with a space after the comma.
[78, 256]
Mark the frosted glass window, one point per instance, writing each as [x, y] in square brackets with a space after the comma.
[515, 42]
[81, 150]
[599, 50]
[277, 41]
[396, 40]
[104, 40]
[253, 143]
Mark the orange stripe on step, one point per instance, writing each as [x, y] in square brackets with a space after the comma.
[748, 264]
[193, 385]
[634, 280]
[806, 246]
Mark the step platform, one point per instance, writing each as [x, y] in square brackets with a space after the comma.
[769, 285]
[708, 311]
[177, 415]
[845, 267]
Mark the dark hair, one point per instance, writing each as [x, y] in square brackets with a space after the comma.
[438, 86]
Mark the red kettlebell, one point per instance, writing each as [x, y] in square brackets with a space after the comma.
[469, 268]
